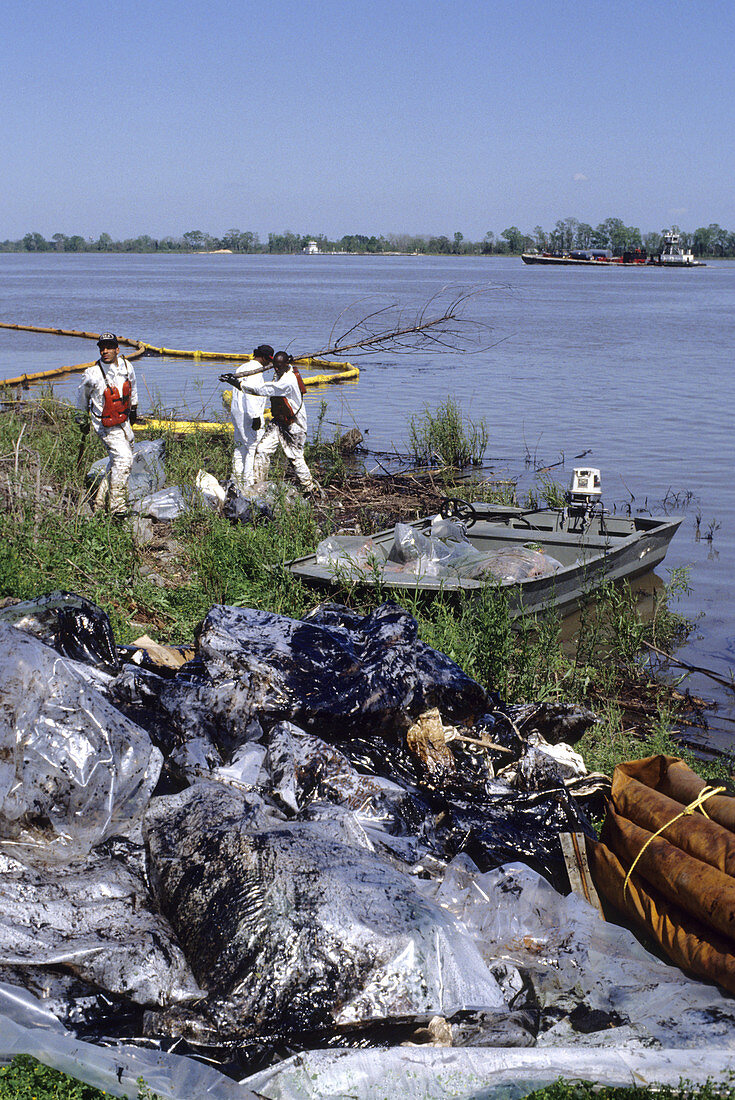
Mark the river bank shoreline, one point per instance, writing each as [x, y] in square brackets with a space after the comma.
[161, 579]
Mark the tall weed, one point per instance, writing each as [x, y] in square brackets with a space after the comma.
[446, 438]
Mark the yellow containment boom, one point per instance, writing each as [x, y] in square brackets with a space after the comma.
[341, 372]
[182, 427]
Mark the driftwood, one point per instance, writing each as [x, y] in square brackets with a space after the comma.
[440, 323]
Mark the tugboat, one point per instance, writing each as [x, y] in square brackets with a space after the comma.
[673, 255]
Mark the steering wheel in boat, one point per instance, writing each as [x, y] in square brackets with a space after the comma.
[454, 508]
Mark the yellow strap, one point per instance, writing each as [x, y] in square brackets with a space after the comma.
[697, 804]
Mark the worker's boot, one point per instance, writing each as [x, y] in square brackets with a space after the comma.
[101, 493]
[118, 495]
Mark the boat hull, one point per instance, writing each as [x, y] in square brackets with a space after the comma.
[611, 548]
[568, 261]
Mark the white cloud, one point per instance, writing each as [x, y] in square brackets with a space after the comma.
[579, 177]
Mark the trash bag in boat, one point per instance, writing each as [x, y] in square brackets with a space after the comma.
[432, 555]
[74, 627]
[352, 555]
[73, 769]
[292, 929]
[147, 474]
[511, 564]
[442, 551]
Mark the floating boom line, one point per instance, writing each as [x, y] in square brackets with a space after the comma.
[341, 371]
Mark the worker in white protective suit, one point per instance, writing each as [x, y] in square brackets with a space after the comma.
[248, 417]
[288, 424]
[107, 399]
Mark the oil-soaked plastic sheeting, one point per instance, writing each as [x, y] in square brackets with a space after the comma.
[293, 930]
[335, 672]
[301, 768]
[462, 810]
[27, 1028]
[92, 920]
[73, 769]
[594, 982]
[72, 625]
[512, 825]
[506, 1074]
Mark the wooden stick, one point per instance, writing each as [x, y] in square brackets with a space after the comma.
[692, 668]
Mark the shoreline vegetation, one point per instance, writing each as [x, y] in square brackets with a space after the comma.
[164, 587]
[50, 540]
[711, 242]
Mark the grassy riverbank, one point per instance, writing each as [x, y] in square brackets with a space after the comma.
[164, 587]
[49, 540]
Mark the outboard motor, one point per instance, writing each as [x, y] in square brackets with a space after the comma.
[584, 496]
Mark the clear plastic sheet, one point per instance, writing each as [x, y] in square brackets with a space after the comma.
[27, 1028]
[299, 930]
[163, 505]
[91, 919]
[73, 769]
[147, 474]
[421, 1073]
[572, 958]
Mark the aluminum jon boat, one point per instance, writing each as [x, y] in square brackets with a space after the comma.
[588, 546]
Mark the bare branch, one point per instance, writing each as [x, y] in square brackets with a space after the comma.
[441, 321]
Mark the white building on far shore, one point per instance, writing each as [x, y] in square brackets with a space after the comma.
[312, 248]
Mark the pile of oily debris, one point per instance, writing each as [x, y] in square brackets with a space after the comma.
[306, 859]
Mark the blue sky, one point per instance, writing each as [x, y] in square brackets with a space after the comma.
[384, 117]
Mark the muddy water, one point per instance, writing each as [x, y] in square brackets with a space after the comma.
[630, 367]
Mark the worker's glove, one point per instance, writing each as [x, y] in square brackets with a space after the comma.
[256, 424]
[83, 426]
[133, 414]
[230, 380]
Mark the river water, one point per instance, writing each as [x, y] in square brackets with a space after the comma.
[632, 366]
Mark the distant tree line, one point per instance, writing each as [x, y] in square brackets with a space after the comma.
[711, 241]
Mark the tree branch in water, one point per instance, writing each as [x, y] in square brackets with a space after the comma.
[441, 322]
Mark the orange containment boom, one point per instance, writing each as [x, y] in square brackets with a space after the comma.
[666, 859]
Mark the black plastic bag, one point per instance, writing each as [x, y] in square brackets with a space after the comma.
[75, 627]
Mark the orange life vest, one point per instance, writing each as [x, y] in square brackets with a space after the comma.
[281, 410]
[116, 405]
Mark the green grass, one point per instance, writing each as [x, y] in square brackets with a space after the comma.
[586, 1090]
[686, 1090]
[445, 437]
[27, 1079]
